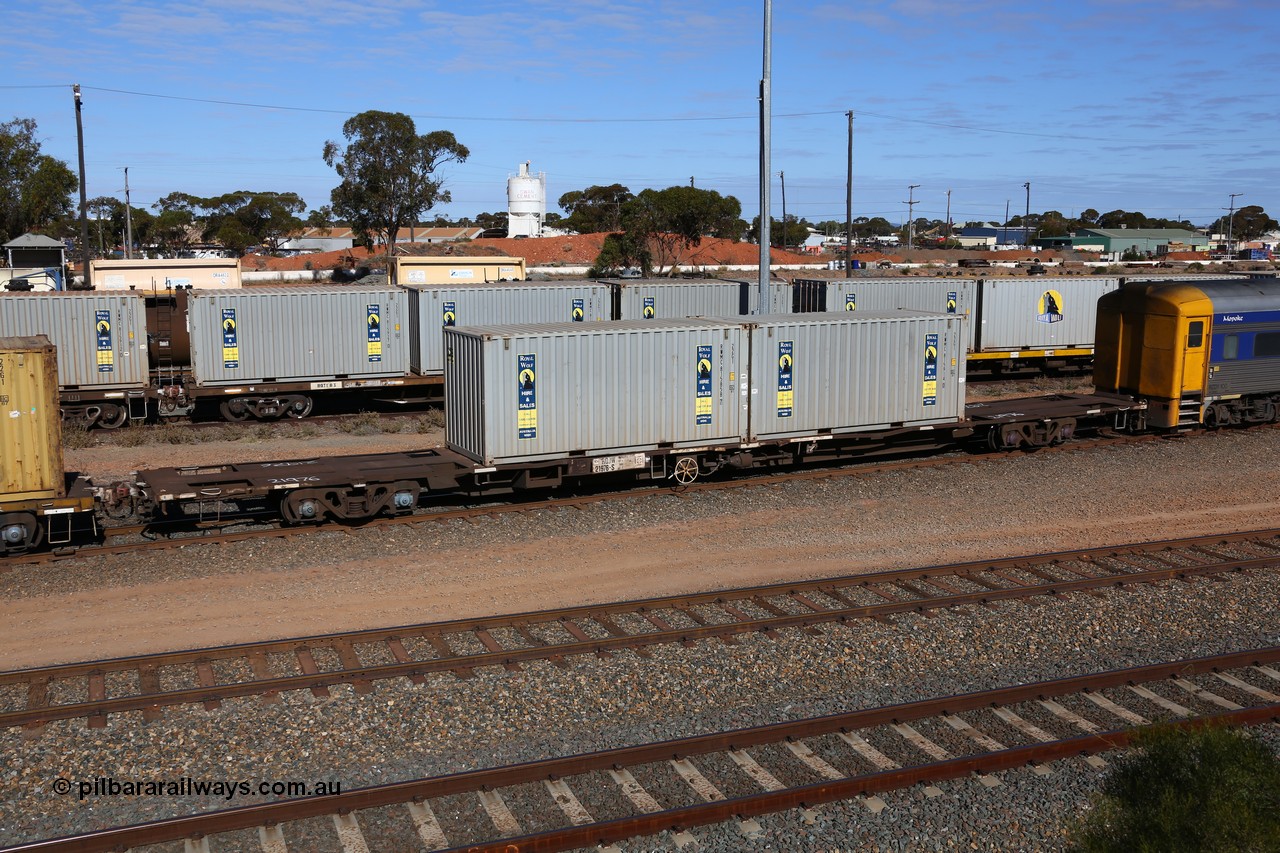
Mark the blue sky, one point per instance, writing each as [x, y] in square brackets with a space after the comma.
[1164, 107]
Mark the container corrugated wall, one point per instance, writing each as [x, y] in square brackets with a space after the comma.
[957, 296]
[822, 373]
[527, 393]
[1040, 313]
[101, 337]
[432, 307]
[30, 420]
[645, 299]
[297, 334]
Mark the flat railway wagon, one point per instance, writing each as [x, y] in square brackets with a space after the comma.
[544, 405]
[1013, 323]
[1199, 352]
[101, 338]
[39, 503]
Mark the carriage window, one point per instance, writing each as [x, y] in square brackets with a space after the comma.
[1266, 345]
[1231, 347]
[1195, 334]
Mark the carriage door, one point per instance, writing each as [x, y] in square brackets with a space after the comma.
[1195, 357]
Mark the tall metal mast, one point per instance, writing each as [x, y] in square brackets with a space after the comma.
[766, 117]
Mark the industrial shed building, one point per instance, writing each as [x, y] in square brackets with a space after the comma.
[1120, 240]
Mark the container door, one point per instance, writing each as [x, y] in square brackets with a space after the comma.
[1195, 356]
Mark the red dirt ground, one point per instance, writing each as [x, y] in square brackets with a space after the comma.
[578, 250]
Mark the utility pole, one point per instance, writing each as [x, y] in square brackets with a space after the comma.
[1026, 217]
[766, 116]
[948, 214]
[128, 217]
[84, 197]
[782, 176]
[1230, 219]
[911, 218]
[1005, 239]
[848, 206]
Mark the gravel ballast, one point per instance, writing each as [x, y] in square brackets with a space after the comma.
[994, 507]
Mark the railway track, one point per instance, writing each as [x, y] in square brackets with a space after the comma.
[735, 776]
[94, 690]
[187, 531]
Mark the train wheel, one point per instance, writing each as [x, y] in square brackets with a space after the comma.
[112, 416]
[233, 410]
[19, 531]
[686, 470]
[303, 507]
[299, 407]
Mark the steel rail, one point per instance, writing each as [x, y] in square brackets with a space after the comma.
[459, 664]
[248, 817]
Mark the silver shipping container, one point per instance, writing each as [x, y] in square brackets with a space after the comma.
[1040, 313]
[297, 334]
[650, 299]
[101, 337]
[525, 393]
[831, 373]
[433, 307]
[957, 296]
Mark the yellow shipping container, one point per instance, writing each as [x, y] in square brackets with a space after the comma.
[161, 275]
[30, 421]
[458, 269]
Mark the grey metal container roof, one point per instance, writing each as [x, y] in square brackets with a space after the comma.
[291, 291]
[522, 329]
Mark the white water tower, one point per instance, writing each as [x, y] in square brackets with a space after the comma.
[526, 203]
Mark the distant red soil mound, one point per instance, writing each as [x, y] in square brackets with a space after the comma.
[579, 250]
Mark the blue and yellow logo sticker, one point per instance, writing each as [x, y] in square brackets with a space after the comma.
[230, 340]
[929, 392]
[526, 397]
[106, 351]
[702, 403]
[851, 302]
[373, 321]
[1049, 308]
[786, 364]
[951, 301]
[450, 317]
[578, 314]
[649, 311]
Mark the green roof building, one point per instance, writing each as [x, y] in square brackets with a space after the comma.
[1121, 240]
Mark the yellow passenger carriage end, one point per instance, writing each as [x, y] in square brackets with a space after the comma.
[1153, 342]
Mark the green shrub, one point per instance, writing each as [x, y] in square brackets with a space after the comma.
[76, 435]
[1207, 789]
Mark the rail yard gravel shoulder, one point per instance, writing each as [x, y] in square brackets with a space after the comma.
[197, 596]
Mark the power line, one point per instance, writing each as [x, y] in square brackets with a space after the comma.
[635, 120]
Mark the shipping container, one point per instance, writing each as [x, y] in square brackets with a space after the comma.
[1044, 314]
[1002, 314]
[30, 421]
[649, 299]
[157, 275]
[433, 307]
[297, 334]
[956, 296]
[458, 269]
[526, 393]
[833, 374]
[101, 337]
